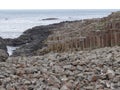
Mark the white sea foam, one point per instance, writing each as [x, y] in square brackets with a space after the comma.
[10, 49]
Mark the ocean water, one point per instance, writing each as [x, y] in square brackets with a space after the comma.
[14, 22]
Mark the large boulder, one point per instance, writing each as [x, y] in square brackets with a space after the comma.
[3, 55]
[3, 50]
[2, 44]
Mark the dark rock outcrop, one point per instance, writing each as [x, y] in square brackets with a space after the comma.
[2, 44]
[31, 40]
[3, 50]
[3, 55]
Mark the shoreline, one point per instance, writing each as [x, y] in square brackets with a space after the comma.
[31, 39]
[36, 20]
[10, 52]
[70, 55]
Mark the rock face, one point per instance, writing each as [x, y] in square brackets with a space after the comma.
[98, 69]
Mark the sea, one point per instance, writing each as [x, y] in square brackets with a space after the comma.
[14, 22]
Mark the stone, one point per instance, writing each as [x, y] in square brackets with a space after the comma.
[27, 82]
[2, 88]
[64, 87]
[89, 88]
[116, 79]
[30, 41]
[107, 84]
[58, 69]
[67, 66]
[70, 84]
[2, 76]
[79, 67]
[2, 44]
[110, 73]
[94, 78]
[117, 71]
[3, 55]
[20, 72]
[64, 78]
[11, 88]
[0, 82]
[55, 79]
[55, 88]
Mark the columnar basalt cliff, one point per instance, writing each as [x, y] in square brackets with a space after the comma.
[95, 39]
[69, 36]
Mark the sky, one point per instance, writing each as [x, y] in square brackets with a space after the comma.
[59, 4]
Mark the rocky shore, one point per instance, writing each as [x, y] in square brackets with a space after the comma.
[98, 69]
[67, 36]
[50, 57]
